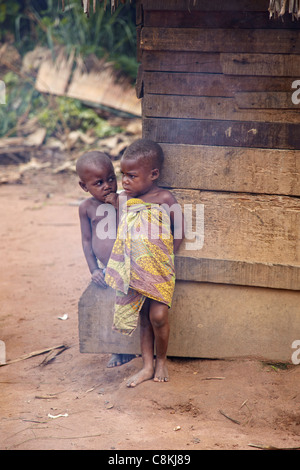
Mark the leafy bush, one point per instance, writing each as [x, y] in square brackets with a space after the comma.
[55, 114]
[105, 34]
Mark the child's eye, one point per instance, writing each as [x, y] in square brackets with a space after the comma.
[112, 178]
[99, 183]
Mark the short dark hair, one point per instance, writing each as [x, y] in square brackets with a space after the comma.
[92, 158]
[150, 151]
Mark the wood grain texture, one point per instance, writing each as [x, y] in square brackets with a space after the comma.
[222, 321]
[220, 271]
[208, 84]
[241, 227]
[216, 19]
[223, 133]
[249, 107]
[259, 64]
[182, 62]
[233, 169]
[276, 65]
[203, 5]
[221, 40]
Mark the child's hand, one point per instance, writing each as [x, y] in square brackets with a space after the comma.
[112, 198]
[98, 278]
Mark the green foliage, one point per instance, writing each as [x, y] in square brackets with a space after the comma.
[72, 114]
[56, 114]
[9, 11]
[105, 34]
[42, 22]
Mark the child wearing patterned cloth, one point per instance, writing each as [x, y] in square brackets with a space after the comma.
[141, 266]
[97, 176]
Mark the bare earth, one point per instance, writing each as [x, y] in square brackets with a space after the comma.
[74, 402]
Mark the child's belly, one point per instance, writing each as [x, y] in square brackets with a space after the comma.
[102, 249]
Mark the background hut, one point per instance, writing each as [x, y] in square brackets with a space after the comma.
[218, 82]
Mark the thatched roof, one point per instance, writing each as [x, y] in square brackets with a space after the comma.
[278, 8]
[86, 4]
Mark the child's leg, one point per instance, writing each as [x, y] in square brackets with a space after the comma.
[147, 348]
[158, 315]
[119, 359]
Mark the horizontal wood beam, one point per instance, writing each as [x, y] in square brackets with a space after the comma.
[264, 65]
[171, 61]
[231, 169]
[240, 226]
[208, 84]
[229, 109]
[215, 19]
[224, 133]
[242, 273]
[277, 65]
[221, 40]
[204, 5]
[221, 321]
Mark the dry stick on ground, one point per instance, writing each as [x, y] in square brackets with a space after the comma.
[266, 447]
[228, 417]
[35, 353]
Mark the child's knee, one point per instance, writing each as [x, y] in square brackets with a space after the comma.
[158, 314]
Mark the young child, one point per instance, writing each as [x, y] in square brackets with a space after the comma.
[97, 176]
[141, 266]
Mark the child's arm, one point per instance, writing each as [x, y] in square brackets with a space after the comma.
[112, 198]
[86, 238]
[177, 222]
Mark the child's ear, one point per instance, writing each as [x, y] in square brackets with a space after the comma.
[83, 186]
[155, 174]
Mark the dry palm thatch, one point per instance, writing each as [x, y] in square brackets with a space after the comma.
[86, 5]
[278, 8]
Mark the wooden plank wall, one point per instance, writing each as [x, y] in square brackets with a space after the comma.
[216, 80]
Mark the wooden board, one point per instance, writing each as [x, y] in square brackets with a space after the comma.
[53, 77]
[223, 133]
[95, 320]
[221, 322]
[232, 169]
[204, 5]
[216, 19]
[229, 109]
[228, 321]
[267, 100]
[221, 40]
[182, 62]
[100, 86]
[241, 227]
[279, 65]
[220, 271]
[268, 65]
[208, 84]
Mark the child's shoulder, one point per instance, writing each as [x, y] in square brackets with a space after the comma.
[88, 203]
[165, 197]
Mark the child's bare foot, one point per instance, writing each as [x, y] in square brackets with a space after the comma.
[161, 371]
[141, 376]
[119, 359]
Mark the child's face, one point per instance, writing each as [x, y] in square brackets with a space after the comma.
[137, 178]
[99, 181]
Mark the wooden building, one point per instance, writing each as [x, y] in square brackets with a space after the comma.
[219, 85]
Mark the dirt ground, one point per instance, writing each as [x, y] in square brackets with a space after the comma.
[74, 402]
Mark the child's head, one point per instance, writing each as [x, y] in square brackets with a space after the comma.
[96, 174]
[140, 166]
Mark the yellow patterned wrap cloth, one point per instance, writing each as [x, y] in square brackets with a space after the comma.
[141, 263]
